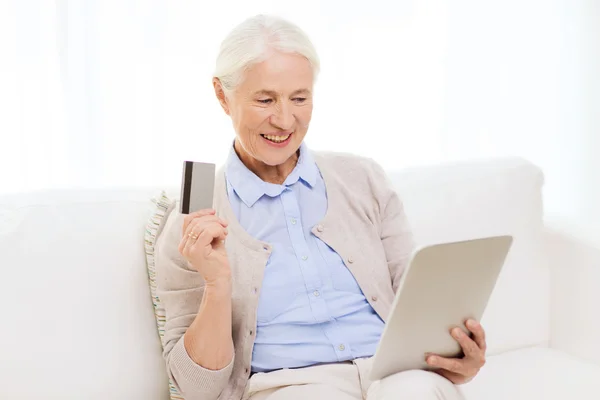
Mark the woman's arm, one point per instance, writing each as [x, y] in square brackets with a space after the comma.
[198, 347]
[208, 340]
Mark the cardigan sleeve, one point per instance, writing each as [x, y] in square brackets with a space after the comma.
[395, 231]
[180, 290]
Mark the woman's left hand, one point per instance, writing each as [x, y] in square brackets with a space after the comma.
[462, 370]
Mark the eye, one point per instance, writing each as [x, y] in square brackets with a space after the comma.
[299, 99]
[265, 101]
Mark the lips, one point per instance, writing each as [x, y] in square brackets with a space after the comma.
[277, 137]
[277, 141]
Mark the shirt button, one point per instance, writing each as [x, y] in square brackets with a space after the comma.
[374, 298]
[342, 347]
[316, 293]
[350, 260]
[320, 228]
[305, 258]
[293, 221]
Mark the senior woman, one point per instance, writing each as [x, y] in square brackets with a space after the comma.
[282, 291]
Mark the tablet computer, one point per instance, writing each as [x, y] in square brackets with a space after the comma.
[442, 287]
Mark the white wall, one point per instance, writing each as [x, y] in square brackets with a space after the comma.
[523, 78]
[591, 170]
[119, 93]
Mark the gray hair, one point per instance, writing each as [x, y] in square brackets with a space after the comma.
[249, 43]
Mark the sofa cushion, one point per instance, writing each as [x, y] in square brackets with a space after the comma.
[77, 318]
[535, 373]
[485, 198]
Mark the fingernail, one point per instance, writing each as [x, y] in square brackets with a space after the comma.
[471, 324]
[432, 359]
[457, 332]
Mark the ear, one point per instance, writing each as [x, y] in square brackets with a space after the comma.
[220, 93]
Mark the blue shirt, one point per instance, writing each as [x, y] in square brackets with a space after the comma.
[311, 309]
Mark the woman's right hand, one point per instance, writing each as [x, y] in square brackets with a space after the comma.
[203, 245]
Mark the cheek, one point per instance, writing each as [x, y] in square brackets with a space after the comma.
[248, 125]
[253, 119]
[304, 116]
[247, 122]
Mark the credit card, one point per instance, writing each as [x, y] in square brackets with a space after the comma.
[197, 186]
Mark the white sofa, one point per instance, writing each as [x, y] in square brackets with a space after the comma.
[78, 323]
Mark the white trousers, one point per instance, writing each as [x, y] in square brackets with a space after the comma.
[349, 381]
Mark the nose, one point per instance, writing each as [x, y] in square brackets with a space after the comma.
[283, 117]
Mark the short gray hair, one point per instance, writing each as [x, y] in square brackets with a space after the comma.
[249, 43]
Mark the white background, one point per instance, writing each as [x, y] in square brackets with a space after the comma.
[118, 93]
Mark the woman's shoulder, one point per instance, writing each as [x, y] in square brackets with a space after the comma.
[351, 166]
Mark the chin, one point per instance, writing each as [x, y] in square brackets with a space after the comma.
[274, 155]
[274, 160]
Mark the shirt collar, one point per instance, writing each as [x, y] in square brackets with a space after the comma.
[250, 187]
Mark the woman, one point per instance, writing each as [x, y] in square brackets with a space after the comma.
[282, 291]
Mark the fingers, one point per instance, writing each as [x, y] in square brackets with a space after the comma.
[449, 364]
[453, 377]
[457, 370]
[198, 214]
[478, 333]
[207, 233]
[469, 347]
[462, 370]
[196, 225]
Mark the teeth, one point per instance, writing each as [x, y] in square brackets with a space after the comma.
[277, 139]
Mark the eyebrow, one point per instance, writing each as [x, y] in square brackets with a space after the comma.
[273, 93]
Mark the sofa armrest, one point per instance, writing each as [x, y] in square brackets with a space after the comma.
[575, 291]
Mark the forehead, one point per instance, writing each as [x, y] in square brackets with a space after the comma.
[280, 72]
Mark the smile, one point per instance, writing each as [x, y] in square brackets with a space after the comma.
[276, 138]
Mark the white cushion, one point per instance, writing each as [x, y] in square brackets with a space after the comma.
[535, 373]
[476, 199]
[77, 317]
[575, 261]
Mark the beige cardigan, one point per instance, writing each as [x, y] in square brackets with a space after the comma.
[365, 224]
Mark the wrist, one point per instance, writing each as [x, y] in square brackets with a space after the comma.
[220, 284]
[217, 293]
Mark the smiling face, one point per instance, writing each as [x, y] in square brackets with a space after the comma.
[271, 109]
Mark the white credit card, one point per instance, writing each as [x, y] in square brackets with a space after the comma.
[197, 186]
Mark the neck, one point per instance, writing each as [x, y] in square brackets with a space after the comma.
[276, 174]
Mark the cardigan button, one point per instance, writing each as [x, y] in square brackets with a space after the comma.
[320, 228]
[374, 298]
[350, 260]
